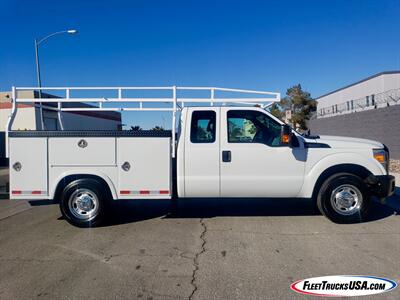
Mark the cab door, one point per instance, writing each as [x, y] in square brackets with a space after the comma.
[253, 163]
[202, 161]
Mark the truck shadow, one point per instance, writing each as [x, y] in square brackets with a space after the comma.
[137, 210]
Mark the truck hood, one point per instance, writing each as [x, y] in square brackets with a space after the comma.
[348, 142]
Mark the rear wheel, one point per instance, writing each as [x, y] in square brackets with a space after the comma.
[83, 202]
[344, 198]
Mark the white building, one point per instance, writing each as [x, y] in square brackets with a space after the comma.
[379, 90]
[28, 117]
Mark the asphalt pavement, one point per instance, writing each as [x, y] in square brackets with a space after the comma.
[208, 249]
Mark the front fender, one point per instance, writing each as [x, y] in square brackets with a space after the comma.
[314, 172]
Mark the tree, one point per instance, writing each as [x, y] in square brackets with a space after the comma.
[136, 128]
[276, 111]
[301, 104]
[235, 132]
[157, 128]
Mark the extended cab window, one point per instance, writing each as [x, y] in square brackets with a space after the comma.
[249, 126]
[202, 129]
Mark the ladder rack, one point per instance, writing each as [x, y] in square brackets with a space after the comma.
[262, 98]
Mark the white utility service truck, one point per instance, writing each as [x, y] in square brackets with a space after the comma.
[225, 146]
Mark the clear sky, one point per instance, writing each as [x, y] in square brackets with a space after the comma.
[267, 45]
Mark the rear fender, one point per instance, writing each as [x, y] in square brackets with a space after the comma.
[82, 173]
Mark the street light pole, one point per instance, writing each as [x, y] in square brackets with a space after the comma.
[39, 80]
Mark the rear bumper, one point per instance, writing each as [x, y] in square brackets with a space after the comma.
[381, 186]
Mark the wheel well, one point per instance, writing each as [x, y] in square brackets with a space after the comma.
[68, 179]
[357, 170]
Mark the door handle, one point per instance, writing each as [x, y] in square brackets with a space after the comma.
[226, 156]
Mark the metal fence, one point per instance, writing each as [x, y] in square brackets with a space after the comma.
[374, 101]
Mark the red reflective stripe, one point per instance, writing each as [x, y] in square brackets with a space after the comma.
[36, 192]
[164, 192]
[144, 192]
[16, 192]
[124, 192]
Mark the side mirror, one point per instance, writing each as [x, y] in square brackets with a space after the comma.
[286, 135]
[288, 138]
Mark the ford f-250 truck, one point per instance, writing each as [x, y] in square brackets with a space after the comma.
[221, 150]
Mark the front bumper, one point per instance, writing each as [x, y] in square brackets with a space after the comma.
[381, 186]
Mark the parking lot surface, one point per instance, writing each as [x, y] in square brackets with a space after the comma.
[207, 249]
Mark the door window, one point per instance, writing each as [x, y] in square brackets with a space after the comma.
[249, 126]
[203, 127]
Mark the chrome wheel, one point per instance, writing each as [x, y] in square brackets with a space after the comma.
[83, 204]
[346, 199]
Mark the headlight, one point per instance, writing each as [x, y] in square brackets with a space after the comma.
[382, 156]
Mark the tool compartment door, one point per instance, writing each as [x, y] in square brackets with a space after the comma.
[28, 168]
[82, 151]
[144, 167]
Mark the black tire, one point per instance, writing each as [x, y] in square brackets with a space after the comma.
[344, 198]
[88, 191]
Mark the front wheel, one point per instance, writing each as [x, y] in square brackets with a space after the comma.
[344, 198]
[83, 203]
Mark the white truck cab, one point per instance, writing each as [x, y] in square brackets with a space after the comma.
[221, 151]
[236, 152]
